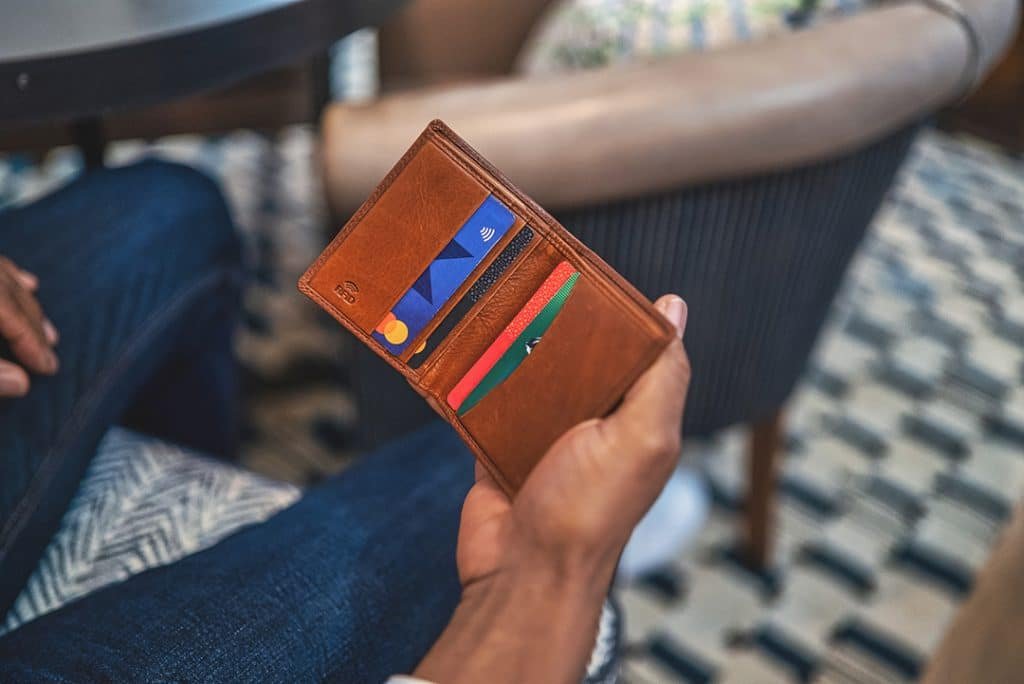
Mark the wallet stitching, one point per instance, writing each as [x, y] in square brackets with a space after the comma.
[356, 330]
[364, 209]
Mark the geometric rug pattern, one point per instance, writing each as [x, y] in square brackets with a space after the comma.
[905, 455]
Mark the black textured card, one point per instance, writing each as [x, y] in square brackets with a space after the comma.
[484, 283]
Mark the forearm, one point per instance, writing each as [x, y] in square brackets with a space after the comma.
[525, 625]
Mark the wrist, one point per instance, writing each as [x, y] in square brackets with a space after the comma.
[570, 573]
[544, 582]
[531, 620]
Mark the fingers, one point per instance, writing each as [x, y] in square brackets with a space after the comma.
[652, 410]
[651, 413]
[33, 346]
[29, 281]
[675, 310]
[486, 488]
[50, 332]
[13, 380]
[22, 324]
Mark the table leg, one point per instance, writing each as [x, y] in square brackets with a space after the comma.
[91, 140]
[320, 78]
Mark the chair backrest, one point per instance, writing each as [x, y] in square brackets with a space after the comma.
[758, 260]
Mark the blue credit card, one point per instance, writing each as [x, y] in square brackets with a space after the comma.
[435, 286]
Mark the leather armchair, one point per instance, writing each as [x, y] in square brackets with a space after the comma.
[743, 179]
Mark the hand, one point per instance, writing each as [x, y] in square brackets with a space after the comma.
[583, 499]
[29, 334]
[535, 570]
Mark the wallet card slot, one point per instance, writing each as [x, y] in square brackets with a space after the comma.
[477, 271]
[482, 324]
[579, 369]
[394, 237]
[630, 301]
[512, 253]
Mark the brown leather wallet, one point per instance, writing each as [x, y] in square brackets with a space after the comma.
[604, 337]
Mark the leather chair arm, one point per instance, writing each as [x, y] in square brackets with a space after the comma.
[590, 136]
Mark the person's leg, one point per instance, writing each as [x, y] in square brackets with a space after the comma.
[352, 583]
[138, 269]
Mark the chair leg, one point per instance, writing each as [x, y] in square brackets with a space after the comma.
[320, 81]
[762, 457]
[91, 138]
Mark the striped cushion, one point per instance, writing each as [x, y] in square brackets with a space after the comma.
[593, 33]
[142, 504]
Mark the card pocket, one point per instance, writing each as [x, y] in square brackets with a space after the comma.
[581, 367]
[394, 237]
[482, 324]
[465, 282]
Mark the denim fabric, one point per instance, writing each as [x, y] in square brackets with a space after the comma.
[139, 270]
[351, 584]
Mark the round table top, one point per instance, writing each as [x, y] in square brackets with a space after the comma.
[67, 59]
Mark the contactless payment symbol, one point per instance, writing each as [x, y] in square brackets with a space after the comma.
[486, 233]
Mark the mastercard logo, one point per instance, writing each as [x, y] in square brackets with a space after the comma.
[393, 330]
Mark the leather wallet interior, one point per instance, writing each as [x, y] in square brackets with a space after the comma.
[605, 335]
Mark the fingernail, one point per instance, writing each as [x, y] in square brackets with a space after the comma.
[676, 312]
[51, 362]
[12, 383]
[50, 331]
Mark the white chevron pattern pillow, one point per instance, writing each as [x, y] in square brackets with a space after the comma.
[142, 503]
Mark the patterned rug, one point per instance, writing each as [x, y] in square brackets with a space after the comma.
[904, 455]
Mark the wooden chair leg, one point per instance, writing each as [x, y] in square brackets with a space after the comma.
[762, 457]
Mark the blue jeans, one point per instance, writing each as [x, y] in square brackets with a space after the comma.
[139, 270]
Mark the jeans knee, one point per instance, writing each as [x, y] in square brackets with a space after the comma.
[183, 206]
[192, 202]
